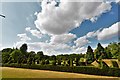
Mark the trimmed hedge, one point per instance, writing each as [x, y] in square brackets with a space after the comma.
[77, 69]
[115, 64]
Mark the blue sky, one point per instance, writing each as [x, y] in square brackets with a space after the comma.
[22, 15]
[16, 21]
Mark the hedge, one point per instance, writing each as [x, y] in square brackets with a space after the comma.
[115, 64]
[77, 69]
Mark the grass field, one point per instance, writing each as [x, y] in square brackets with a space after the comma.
[8, 72]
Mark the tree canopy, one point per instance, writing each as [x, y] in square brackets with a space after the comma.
[22, 56]
[89, 55]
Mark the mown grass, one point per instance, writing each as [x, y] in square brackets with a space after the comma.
[8, 72]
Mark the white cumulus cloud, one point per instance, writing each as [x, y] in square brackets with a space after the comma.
[81, 41]
[57, 21]
[67, 16]
[109, 32]
[34, 32]
[92, 34]
[64, 38]
[23, 37]
[80, 50]
[49, 48]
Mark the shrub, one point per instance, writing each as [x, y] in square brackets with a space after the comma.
[102, 64]
[78, 69]
[43, 62]
[82, 63]
[119, 58]
[54, 62]
[115, 64]
[46, 61]
[59, 62]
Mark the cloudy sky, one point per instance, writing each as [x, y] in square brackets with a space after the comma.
[59, 28]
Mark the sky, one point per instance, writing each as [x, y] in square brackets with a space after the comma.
[59, 28]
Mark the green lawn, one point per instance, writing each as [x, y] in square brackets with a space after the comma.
[8, 72]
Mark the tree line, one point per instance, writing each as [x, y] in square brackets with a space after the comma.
[21, 56]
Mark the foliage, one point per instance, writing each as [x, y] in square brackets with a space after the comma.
[53, 57]
[54, 62]
[21, 56]
[115, 64]
[89, 55]
[119, 52]
[82, 63]
[76, 61]
[23, 48]
[81, 69]
[8, 50]
[31, 57]
[100, 52]
[109, 54]
[43, 62]
[114, 49]
[119, 57]
[5, 57]
[59, 62]
[17, 56]
[47, 61]
[102, 64]
[39, 55]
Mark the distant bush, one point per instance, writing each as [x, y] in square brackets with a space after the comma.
[82, 63]
[77, 69]
[59, 62]
[46, 61]
[43, 62]
[54, 62]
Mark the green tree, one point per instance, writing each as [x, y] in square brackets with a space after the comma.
[8, 50]
[39, 56]
[109, 54]
[31, 58]
[100, 52]
[17, 56]
[89, 55]
[119, 52]
[6, 55]
[114, 49]
[54, 62]
[47, 61]
[42, 62]
[53, 57]
[23, 48]
[59, 62]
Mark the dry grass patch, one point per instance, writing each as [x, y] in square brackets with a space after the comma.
[8, 72]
